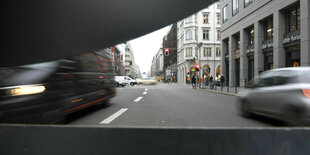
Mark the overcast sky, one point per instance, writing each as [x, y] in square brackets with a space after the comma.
[146, 46]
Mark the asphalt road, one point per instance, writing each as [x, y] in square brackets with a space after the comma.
[167, 105]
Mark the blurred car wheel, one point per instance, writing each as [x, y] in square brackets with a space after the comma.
[245, 109]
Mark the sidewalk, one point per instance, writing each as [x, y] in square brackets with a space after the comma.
[217, 89]
[233, 91]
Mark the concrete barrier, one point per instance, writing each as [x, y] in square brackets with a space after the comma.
[24, 139]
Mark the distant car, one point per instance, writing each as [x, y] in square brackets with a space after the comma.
[147, 81]
[46, 92]
[282, 94]
[127, 80]
[120, 81]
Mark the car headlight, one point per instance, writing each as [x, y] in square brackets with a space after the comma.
[24, 90]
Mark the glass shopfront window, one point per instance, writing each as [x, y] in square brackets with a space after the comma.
[251, 36]
[268, 60]
[250, 69]
[293, 56]
[293, 18]
[268, 26]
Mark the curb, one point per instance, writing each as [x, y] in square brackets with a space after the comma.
[219, 92]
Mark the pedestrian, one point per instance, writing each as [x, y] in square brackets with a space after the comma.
[222, 80]
[194, 82]
[205, 80]
[211, 81]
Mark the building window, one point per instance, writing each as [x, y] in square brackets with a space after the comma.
[188, 19]
[189, 35]
[218, 6]
[251, 34]
[293, 16]
[235, 7]
[205, 18]
[207, 52]
[225, 13]
[218, 17]
[268, 28]
[188, 52]
[218, 35]
[218, 52]
[247, 2]
[205, 35]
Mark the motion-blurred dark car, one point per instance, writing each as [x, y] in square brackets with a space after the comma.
[283, 94]
[46, 92]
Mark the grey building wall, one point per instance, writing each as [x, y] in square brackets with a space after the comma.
[253, 15]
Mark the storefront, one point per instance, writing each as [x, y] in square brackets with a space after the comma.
[227, 68]
[206, 70]
[237, 67]
[293, 56]
[218, 71]
[291, 41]
[267, 49]
[267, 45]
[250, 56]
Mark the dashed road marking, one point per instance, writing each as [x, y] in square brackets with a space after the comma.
[138, 99]
[114, 116]
[145, 89]
[144, 93]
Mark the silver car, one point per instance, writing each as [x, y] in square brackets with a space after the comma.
[282, 94]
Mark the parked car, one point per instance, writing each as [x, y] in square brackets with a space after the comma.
[47, 92]
[127, 80]
[120, 81]
[147, 81]
[283, 94]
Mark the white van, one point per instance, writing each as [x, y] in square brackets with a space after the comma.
[127, 80]
[120, 81]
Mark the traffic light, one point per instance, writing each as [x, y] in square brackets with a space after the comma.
[197, 67]
[166, 51]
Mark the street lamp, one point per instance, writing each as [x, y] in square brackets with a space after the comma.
[199, 57]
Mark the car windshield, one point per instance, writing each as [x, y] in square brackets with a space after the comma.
[139, 64]
[196, 51]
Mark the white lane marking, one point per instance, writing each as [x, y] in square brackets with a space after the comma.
[145, 89]
[138, 99]
[144, 93]
[114, 116]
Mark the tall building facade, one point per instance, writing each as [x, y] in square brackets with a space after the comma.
[199, 43]
[118, 61]
[158, 65]
[170, 58]
[259, 35]
[131, 68]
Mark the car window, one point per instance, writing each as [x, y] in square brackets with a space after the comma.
[276, 78]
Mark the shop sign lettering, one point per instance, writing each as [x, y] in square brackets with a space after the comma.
[291, 39]
[267, 45]
[251, 50]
